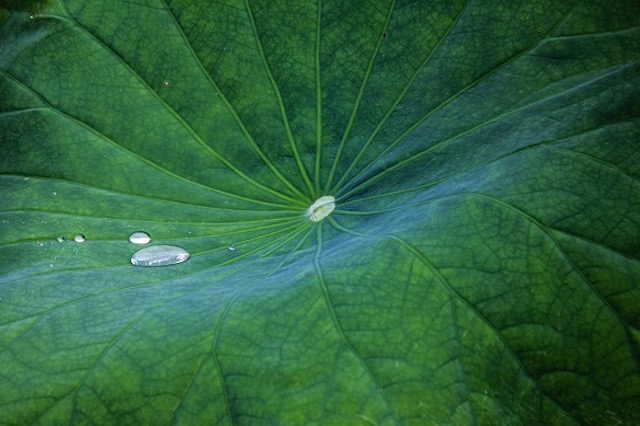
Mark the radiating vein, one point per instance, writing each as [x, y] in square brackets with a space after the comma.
[316, 177]
[181, 120]
[283, 112]
[139, 157]
[110, 192]
[334, 318]
[550, 144]
[356, 105]
[401, 96]
[446, 285]
[497, 118]
[443, 104]
[231, 109]
[460, 354]
[546, 231]
[114, 339]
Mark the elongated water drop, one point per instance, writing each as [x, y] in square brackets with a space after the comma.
[139, 238]
[159, 255]
[60, 239]
[79, 238]
[232, 248]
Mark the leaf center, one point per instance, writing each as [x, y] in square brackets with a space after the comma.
[321, 208]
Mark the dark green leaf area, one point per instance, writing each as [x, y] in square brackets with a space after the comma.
[481, 264]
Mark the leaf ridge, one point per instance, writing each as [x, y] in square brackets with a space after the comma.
[283, 112]
[135, 155]
[356, 105]
[401, 96]
[182, 122]
[230, 107]
[446, 285]
[336, 322]
[420, 154]
[546, 231]
[318, 104]
[442, 104]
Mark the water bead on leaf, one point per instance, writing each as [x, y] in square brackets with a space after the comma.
[322, 208]
[160, 255]
[139, 237]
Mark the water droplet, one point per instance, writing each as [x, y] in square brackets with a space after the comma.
[232, 248]
[60, 239]
[160, 255]
[30, 16]
[321, 208]
[79, 238]
[139, 238]
[40, 243]
[166, 83]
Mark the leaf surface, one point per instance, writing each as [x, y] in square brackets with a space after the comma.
[481, 264]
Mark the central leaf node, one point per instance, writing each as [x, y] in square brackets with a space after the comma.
[322, 208]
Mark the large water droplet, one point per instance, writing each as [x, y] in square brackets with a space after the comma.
[160, 255]
[139, 238]
[321, 208]
[79, 238]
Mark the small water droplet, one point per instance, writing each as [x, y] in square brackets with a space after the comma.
[159, 255]
[232, 248]
[139, 238]
[166, 83]
[30, 16]
[55, 193]
[60, 239]
[79, 238]
[40, 243]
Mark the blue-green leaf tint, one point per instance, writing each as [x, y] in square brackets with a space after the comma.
[481, 265]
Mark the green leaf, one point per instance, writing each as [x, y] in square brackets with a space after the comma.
[481, 265]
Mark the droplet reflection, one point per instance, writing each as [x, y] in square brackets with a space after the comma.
[139, 238]
[159, 255]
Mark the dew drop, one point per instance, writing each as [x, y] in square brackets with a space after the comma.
[166, 83]
[79, 238]
[321, 208]
[159, 255]
[139, 237]
[232, 248]
[40, 243]
[60, 239]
